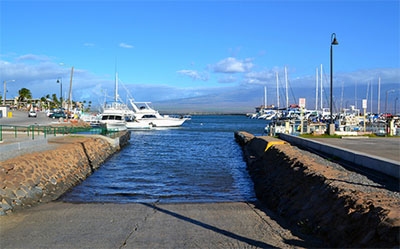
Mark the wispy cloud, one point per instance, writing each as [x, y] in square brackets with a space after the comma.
[194, 74]
[261, 77]
[40, 73]
[233, 65]
[125, 45]
[33, 57]
[88, 44]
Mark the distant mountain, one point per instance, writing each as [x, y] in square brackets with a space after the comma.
[245, 99]
[233, 101]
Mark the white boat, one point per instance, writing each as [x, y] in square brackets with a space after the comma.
[114, 116]
[144, 113]
[117, 116]
[135, 124]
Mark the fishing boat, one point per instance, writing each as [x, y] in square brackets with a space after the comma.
[144, 113]
[117, 116]
[114, 116]
[134, 124]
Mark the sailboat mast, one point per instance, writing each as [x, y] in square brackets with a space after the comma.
[277, 88]
[371, 97]
[316, 89]
[379, 95]
[286, 85]
[70, 89]
[355, 95]
[341, 97]
[265, 96]
[322, 106]
[367, 92]
[116, 87]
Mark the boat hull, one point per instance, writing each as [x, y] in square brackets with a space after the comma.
[164, 122]
[114, 125]
[135, 125]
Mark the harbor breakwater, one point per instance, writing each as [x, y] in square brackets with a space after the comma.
[321, 198]
[40, 177]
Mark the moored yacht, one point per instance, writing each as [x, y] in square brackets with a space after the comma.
[114, 116]
[143, 112]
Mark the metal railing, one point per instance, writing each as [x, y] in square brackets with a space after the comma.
[32, 131]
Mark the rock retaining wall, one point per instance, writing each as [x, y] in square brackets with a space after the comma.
[44, 176]
[321, 199]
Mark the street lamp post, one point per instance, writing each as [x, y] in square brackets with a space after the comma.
[5, 90]
[60, 82]
[331, 123]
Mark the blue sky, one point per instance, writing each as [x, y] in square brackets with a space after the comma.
[168, 50]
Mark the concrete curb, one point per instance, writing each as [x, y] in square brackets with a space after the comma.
[379, 164]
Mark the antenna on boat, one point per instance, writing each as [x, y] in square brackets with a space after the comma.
[116, 82]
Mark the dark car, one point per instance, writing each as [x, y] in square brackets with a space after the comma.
[58, 115]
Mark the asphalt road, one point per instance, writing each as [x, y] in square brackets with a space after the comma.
[21, 118]
[140, 225]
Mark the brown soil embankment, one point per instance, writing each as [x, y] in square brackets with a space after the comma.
[44, 176]
[321, 198]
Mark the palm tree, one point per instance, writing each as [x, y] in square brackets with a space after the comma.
[24, 94]
[43, 103]
[55, 100]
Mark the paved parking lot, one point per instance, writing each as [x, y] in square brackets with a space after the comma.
[386, 147]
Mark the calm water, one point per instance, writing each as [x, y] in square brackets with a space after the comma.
[198, 162]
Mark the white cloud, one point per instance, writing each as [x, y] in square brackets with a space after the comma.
[233, 65]
[194, 74]
[125, 45]
[262, 77]
[32, 57]
[40, 73]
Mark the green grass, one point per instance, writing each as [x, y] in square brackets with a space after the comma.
[319, 136]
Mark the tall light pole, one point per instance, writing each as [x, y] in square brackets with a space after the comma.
[5, 90]
[59, 80]
[331, 123]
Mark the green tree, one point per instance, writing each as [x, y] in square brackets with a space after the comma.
[43, 103]
[55, 100]
[23, 95]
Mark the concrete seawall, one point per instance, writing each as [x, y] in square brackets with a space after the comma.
[44, 176]
[320, 198]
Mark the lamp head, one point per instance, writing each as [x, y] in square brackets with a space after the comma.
[334, 41]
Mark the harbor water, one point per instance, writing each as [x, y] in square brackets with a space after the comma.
[198, 162]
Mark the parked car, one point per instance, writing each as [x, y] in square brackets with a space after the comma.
[58, 115]
[32, 114]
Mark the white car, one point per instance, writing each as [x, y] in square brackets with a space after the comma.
[32, 114]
